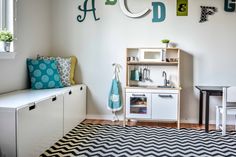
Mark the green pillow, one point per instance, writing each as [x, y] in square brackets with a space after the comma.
[72, 69]
[43, 74]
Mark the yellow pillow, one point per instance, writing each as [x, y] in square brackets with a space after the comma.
[72, 71]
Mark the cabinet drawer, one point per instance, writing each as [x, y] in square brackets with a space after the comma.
[39, 126]
[164, 106]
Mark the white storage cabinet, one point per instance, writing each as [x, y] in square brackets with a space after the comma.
[74, 107]
[164, 106]
[154, 104]
[33, 120]
[39, 126]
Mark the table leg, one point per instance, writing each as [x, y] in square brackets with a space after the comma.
[200, 107]
[207, 113]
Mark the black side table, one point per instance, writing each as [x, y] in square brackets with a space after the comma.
[210, 91]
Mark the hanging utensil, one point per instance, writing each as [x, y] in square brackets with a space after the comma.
[144, 74]
[149, 75]
[140, 74]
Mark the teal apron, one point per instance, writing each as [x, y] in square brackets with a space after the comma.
[114, 101]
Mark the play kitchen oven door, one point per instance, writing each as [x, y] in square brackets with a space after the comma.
[138, 105]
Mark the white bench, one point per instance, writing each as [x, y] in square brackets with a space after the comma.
[33, 120]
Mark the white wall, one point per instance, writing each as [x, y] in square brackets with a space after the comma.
[209, 57]
[33, 37]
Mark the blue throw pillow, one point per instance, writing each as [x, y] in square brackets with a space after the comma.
[43, 74]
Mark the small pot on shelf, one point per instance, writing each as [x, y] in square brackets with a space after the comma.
[165, 42]
[166, 45]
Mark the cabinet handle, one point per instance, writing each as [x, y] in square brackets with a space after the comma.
[70, 92]
[165, 96]
[138, 95]
[54, 98]
[81, 88]
[32, 107]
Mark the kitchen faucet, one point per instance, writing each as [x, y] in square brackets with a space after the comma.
[166, 82]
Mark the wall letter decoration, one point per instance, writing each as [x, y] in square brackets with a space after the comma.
[156, 16]
[85, 10]
[111, 2]
[125, 10]
[205, 11]
[182, 8]
[230, 5]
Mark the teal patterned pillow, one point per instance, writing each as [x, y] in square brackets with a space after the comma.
[43, 74]
[64, 68]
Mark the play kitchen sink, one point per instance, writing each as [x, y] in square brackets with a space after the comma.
[144, 75]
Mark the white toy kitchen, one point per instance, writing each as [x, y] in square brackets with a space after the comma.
[152, 84]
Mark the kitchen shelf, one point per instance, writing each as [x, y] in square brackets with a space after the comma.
[172, 48]
[153, 63]
[152, 88]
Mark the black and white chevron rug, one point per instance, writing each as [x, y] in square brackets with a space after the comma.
[88, 140]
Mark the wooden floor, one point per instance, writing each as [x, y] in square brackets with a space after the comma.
[153, 124]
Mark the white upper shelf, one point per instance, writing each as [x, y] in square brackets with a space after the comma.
[151, 63]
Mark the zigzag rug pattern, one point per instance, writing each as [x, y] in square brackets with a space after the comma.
[88, 140]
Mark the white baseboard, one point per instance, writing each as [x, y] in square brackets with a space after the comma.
[103, 117]
[110, 117]
[190, 121]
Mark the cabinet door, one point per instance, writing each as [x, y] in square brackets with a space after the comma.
[138, 105]
[74, 107]
[164, 106]
[39, 126]
[7, 132]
